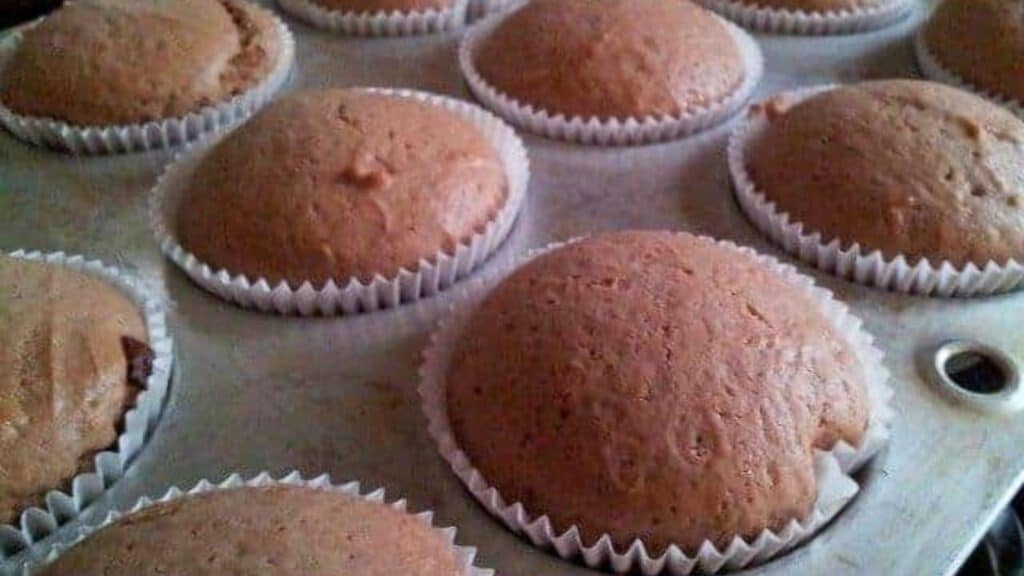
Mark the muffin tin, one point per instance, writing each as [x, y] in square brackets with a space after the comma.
[256, 392]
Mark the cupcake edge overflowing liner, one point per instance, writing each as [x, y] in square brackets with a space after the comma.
[431, 275]
[464, 555]
[383, 24]
[934, 70]
[799, 22]
[832, 468]
[852, 262]
[613, 131]
[157, 134]
[140, 420]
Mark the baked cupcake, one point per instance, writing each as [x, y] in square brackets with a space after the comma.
[654, 387]
[981, 42]
[101, 63]
[379, 17]
[913, 170]
[812, 16]
[74, 355]
[268, 529]
[653, 62]
[352, 187]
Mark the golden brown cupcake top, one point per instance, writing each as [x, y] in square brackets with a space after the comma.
[905, 167]
[106, 62]
[278, 530]
[653, 385]
[612, 58]
[818, 5]
[339, 184]
[373, 6]
[64, 383]
[982, 41]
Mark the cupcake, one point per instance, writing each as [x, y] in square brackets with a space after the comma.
[265, 527]
[105, 63]
[654, 387]
[981, 42]
[74, 354]
[653, 62]
[352, 187]
[812, 16]
[916, 171]
[380, 17]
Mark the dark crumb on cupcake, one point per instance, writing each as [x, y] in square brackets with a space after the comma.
[139, 358]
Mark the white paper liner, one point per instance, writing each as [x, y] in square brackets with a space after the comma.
[850, 260]
[835, 487]
[352, 296]
[614, 131]
[157, 134]
[110, 465]
[464, 554]
[481, 8]
[934, 70]
[378, 23]
[799, 22]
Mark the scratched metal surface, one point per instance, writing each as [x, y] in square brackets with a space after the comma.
[256, 392]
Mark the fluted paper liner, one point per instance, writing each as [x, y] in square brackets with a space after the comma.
[464, 555]
[800, 22]
[850, 260]
[350, 295]
[395, 23]
[934, 70]
[157, 134]
[835, 487]
[614, 131]
[110, 465]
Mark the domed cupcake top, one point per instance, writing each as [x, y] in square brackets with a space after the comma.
[339, 184]
[981, 41]
[262, 531]
[107, 62]
[612, 58]
[905, 167]
[73, 355]
[653, 386]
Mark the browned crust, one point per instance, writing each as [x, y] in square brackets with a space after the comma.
[167, 75]
[656, 386]
[906, 167]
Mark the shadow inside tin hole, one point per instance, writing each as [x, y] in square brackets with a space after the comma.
[976, 371]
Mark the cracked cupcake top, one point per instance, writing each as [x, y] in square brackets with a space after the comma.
[109, 62]
[263, 531]
[905, 167]
[69, 343]
[653, 385]
[338, 184]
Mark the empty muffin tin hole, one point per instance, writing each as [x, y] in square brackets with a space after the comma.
[980, 375]
[976, 372]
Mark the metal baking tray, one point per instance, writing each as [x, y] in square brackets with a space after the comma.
[256, 392]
